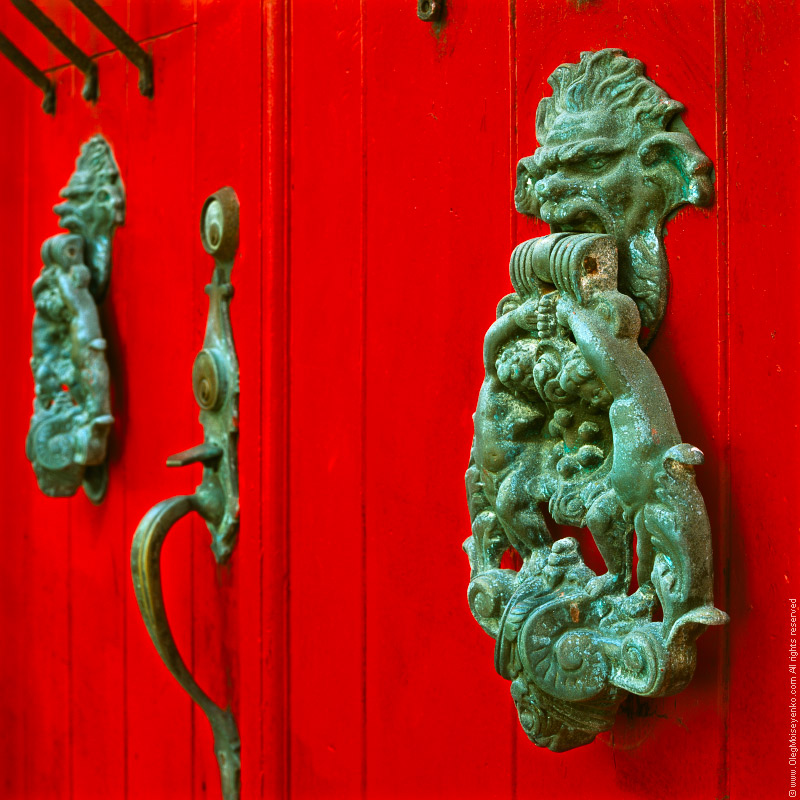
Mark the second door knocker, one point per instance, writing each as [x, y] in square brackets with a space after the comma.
[215, 379]
[72, 410]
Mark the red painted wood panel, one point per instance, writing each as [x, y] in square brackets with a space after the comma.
[18, 623]
[437, 244]
[161, 336]
[326, 411]
[374, 157]
[761, 325]
[273, 456]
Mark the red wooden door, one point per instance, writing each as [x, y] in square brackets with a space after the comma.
[374, 156]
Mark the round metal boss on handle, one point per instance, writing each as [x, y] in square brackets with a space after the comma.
[209, 380]
[219, 224]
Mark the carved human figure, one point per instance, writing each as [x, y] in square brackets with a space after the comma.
[508, 419]
[652, 473]
[532, 373]
[615, 157]
[564, 350]
[69, 359]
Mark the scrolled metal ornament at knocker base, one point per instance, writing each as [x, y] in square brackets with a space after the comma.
[572, 416]
[72, 409]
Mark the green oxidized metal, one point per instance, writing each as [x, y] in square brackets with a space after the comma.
[72, 410]
[572, 417]
[215, 379]
[615, 158]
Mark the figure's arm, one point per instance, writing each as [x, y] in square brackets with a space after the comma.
[606, 336]
[85, 331]
[504, 329]
[641, 417]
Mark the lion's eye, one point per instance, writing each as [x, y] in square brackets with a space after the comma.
[596, 163]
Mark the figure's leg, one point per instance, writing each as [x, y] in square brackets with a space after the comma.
[644, 553]
[476, 498]
[488, 542]
[521, 518]
[613, 538]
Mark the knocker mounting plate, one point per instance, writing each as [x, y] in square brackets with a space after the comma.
[72, 409]
[572, 418]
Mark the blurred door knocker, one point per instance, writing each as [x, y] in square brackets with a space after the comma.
[572, 414]
[72, 410]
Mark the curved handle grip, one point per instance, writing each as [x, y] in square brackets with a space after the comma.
[146, 569]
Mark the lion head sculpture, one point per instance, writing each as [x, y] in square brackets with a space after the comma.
[94, 207]
[615, 157]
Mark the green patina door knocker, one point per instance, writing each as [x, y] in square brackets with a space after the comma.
[572, 417]
[72, 408]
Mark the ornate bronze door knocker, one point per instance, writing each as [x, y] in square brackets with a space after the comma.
[215, 379]
[72, 410]
[572, 414]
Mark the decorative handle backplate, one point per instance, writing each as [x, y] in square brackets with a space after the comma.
[572, 418]
[72, 411]
[215, 378]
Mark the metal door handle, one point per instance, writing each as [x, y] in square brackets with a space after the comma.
[215, 379]
[72, 410]
[146, 567]
[572, 417]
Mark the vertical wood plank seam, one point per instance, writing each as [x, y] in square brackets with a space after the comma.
[363, 408]
[193, 524]
[513, 105]
[126, 525]
[513, 152]
[724, 355]
[274, 517]
[70, 665]
[263, 518]
[287, 371]
[259, 759]
[26, 231]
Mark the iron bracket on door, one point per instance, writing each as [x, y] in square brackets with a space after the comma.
[215, 380]
[63, 43]
[31, 72]
[572, 418]
[72, 409]
[122, 40]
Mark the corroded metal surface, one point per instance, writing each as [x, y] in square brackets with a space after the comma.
[572, 418]
[215, 378]
[72, 409]
[430, 10]
[615, 158]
